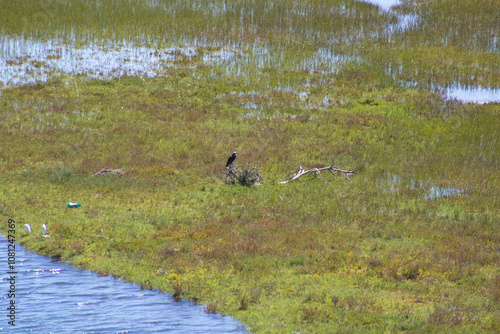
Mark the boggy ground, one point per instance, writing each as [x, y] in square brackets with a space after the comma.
[411, 244]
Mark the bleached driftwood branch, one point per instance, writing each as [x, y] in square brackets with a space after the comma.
[334, 170]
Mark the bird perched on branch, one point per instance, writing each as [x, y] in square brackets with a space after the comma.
[231, 159]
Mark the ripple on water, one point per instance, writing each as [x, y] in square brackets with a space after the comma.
[57, 297]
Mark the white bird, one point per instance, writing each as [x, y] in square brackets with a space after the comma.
[27, 227]
[44, 228]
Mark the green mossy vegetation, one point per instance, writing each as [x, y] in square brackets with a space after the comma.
[382, 253]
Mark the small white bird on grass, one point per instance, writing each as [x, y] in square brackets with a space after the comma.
[44, 229]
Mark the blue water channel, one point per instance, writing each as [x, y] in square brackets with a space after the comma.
[55, 297]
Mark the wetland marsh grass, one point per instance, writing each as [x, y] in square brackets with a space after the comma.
[375, 254]
[392, 257]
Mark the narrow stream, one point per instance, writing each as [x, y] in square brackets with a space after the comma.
[55, 297]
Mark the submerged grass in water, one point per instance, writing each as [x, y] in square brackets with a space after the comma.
[309, 256]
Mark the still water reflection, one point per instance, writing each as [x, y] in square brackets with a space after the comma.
[54, 297]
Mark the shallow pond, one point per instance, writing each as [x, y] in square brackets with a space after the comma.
[24, 61]
[383, 4]
[393, 183]
[473, 94]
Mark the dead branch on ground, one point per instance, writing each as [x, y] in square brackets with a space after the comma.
[107, 171]
[317, 171]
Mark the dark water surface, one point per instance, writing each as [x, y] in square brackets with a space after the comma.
[55, 297]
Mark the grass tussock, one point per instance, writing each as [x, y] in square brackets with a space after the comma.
[243, 175]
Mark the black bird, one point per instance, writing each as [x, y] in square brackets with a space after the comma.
[231, 159]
